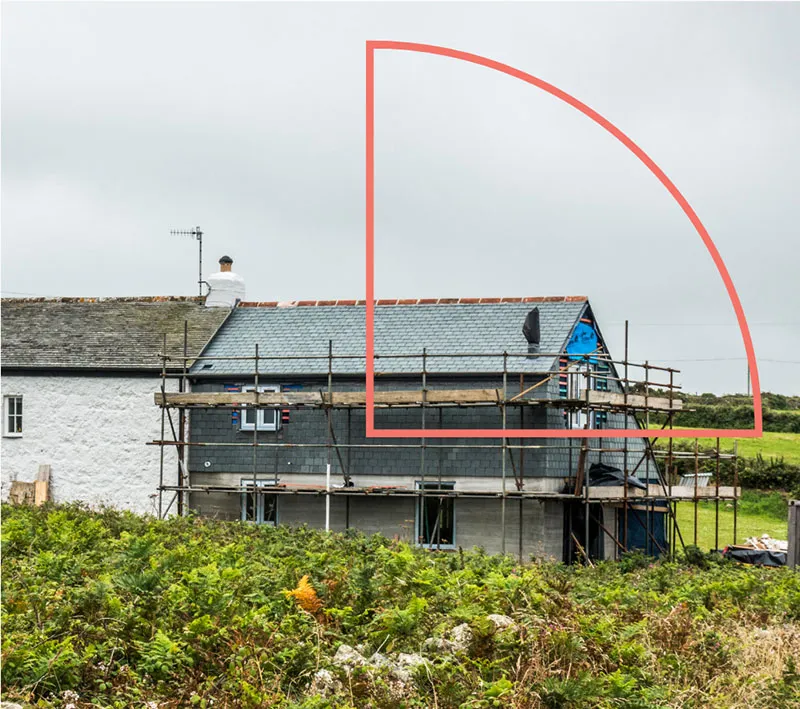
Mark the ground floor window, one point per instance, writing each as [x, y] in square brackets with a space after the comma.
[576, 545]
[258, 504]
[12, 416]
[436, 516]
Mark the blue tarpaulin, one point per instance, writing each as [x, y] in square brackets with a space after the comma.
[583, 341]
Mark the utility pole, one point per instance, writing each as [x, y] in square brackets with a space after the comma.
[195, 233]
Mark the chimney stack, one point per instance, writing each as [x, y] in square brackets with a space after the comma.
[225, 288]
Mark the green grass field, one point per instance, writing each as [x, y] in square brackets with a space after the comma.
[772, 445]
[758, 513]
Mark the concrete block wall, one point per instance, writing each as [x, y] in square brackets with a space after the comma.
[478, 521]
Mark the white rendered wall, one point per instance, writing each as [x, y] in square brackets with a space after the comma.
[92, 431]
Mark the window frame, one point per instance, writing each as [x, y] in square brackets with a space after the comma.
[261, 414]
[259, 501]
[18, 414]
[446, 486]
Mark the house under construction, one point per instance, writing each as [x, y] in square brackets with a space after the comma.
[269, 425]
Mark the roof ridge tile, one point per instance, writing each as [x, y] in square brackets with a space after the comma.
[415, 301]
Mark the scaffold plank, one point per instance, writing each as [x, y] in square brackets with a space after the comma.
[414, 397]
[636, 401]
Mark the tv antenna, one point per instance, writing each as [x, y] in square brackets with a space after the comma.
[195, 233]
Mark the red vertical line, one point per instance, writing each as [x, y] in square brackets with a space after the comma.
[370, 245]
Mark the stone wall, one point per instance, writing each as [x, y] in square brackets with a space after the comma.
[92, 431]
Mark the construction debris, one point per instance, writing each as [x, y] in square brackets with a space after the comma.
[35, 493]
[766, 542]
[761, 551]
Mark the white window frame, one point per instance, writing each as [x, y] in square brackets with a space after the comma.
[266, 419]
[447, 486]
[7, 428]
[259, 501]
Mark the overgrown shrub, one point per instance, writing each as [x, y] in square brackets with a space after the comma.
[114, 610]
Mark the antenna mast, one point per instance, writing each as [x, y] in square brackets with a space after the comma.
[195, 233]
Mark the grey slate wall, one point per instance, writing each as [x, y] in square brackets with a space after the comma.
[310, 426]
[559, 459]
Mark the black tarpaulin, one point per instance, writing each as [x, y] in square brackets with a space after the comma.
[601, 475]
[758, 557]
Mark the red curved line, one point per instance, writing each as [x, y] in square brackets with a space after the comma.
[639, 153]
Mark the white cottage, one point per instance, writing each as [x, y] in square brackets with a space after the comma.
[77, 383]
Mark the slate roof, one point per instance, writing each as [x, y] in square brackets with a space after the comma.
[102, 333]
[447, 325]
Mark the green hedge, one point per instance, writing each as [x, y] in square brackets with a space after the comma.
[716, 416]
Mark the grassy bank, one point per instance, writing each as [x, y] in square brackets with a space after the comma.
[772, 445]
[759, 513]
[112, 610]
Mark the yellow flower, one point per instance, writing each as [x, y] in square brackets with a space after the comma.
[306, 596]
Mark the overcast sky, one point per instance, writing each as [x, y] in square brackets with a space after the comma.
[121, 121]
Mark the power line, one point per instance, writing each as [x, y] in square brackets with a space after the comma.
[729, 359]
[38, 295]
[713, 324]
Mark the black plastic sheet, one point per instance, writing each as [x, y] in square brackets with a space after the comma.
[757, 557]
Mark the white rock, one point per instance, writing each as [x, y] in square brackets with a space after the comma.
[461, 636]
[378, 660]
[348, 658]
[439, 645]
[501, 622]
[325, 684]
[410, 661]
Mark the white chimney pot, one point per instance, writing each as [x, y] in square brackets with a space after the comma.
[225, 287]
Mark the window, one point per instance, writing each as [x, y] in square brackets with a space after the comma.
[601, 381]
[12, 416]
[436, 517]
[257, 506]
[268, 419]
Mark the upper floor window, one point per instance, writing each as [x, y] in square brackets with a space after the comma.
[12, 416]
[265, 419]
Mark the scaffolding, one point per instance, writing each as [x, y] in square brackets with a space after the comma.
[660, 493]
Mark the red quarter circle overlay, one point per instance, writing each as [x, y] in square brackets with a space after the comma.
[372, 432]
